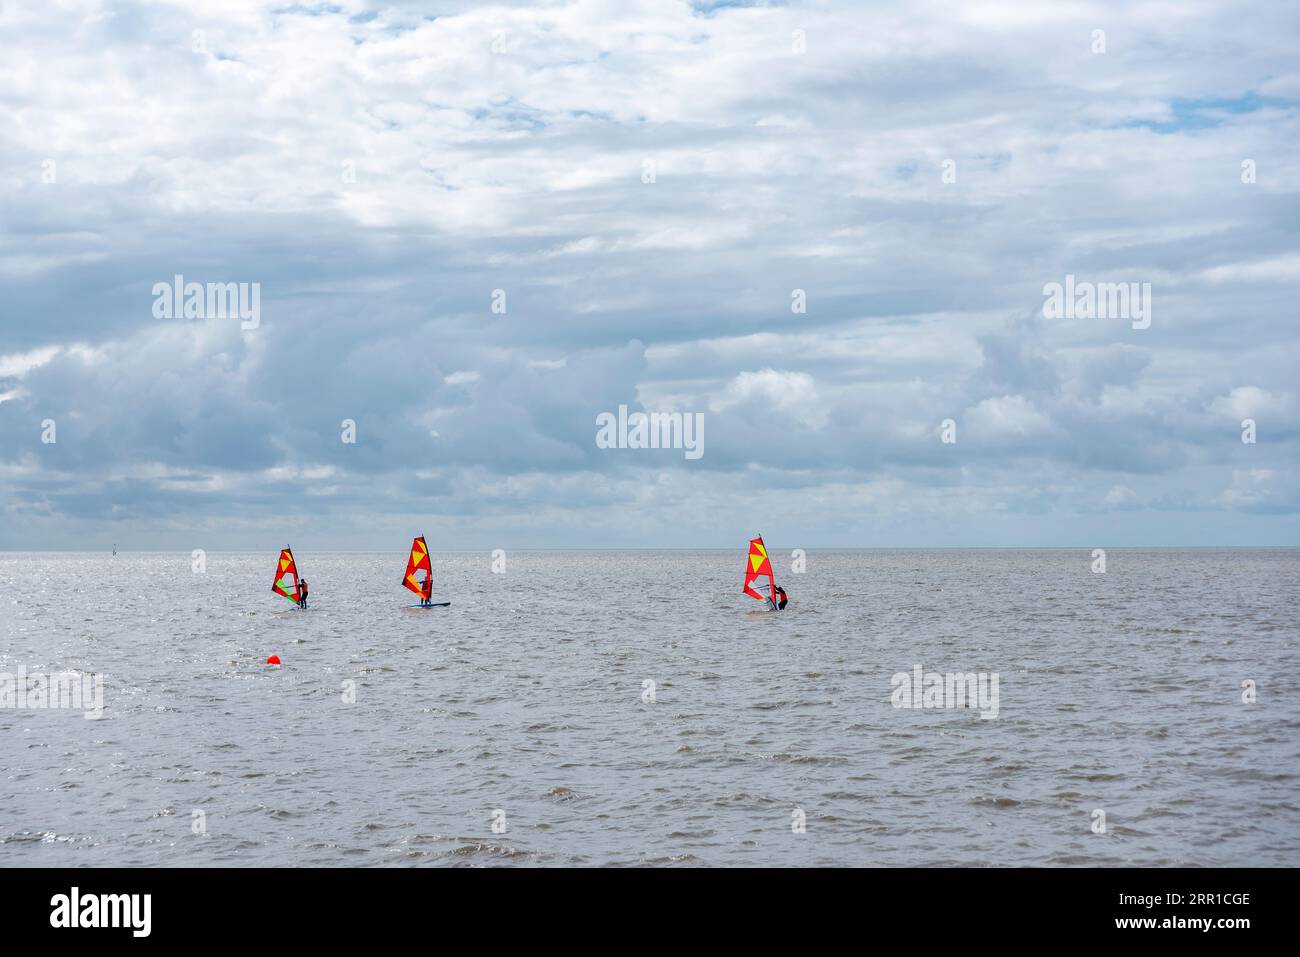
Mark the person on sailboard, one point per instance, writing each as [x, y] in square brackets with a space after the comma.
[302, 593]
[426, 589]
[780, 592]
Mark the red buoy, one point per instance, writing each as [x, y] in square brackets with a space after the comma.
[273, 660]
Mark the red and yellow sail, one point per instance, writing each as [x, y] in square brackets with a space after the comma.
[419, 561]
[286, 576]
[757, 568]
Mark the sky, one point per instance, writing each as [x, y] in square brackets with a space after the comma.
[823, 230]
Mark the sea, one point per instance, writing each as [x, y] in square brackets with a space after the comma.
[633, 708]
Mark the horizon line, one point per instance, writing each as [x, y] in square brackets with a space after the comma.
[668, 548]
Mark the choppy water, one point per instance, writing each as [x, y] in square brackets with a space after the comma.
[1119, 691]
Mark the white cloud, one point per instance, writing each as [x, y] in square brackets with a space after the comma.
[1120, 495]
[1006, 415]
[769, 392]
[381, 175]
[18, 365]
[1250, 401]
[1276, 269]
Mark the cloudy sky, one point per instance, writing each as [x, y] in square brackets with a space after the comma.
[648, 184]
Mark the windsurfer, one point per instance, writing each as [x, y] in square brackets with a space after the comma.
[780, 605]
[426, 589]
[302, 593]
